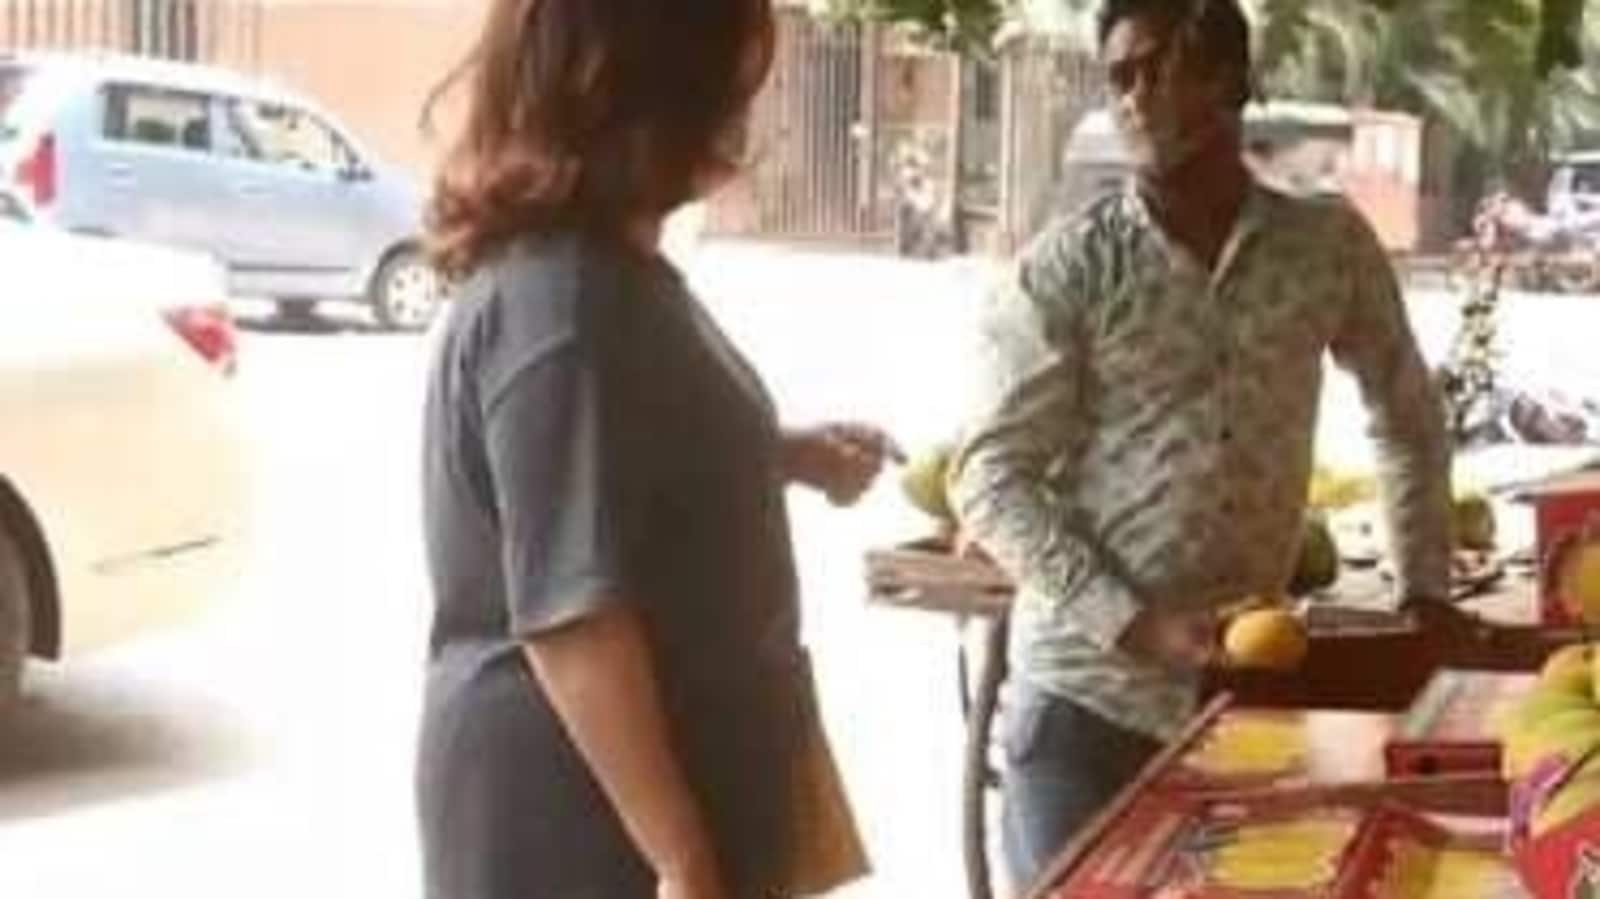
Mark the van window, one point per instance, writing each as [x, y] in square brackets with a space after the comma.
[287, 136]
[156, 117]
[12, 80]
[1586, 179]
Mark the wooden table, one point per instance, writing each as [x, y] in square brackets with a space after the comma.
[1361, 657]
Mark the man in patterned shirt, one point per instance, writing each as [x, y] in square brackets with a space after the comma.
[1151, 376]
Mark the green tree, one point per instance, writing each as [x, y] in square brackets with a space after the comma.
[1474, 67]
[970, 25]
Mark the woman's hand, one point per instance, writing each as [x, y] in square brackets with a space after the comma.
[599, 673]
[701, 881]
[840, 459]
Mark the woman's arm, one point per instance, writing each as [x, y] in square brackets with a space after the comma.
[565, 496]
[841, 459]
[599, 676]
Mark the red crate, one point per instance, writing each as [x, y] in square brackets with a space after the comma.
[1153, 834]
[1189, 847]
[1450, 728]
[1563, 506]
[1182, 845]
[1402, 853]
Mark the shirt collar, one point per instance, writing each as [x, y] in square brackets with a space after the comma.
[1254, 217]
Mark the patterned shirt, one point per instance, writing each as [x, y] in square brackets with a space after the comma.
[1145, 428]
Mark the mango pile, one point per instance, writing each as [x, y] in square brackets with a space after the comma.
[1551, 739]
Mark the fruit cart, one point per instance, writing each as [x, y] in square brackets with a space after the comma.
[1268, 802]
[1388, 719]
[1363, 669]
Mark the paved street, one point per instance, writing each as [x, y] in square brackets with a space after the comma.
[265, 750]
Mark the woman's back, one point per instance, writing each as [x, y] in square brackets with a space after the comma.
[591, 434]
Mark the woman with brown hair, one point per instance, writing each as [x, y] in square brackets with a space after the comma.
[617, 699]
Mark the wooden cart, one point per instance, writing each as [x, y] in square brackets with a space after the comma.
[1358, 660]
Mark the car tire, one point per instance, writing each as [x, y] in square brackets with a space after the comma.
[16, 620]
[406, 292]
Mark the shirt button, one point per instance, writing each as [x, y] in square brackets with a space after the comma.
[1227, 434]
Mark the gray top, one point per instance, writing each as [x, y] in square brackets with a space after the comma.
[592, 438]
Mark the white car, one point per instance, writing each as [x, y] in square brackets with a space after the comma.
[122, 492]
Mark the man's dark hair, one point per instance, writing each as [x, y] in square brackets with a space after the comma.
[1218, 25]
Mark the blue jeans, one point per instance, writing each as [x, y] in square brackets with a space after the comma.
[1064, 764]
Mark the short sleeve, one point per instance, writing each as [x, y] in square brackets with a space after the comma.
[557, 484]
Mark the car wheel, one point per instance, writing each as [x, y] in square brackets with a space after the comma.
[406, 292]
[16, 620]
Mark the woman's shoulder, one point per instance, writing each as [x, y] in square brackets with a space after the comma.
[547, 280]
[539, 274]
[542, 293]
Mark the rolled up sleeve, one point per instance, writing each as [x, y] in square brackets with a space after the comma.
[554, 467]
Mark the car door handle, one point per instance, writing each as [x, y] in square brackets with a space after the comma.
[120, 172]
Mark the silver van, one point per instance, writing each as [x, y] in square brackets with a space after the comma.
[264, 181]
[1574, 190]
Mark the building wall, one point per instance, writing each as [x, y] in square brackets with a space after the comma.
[197, 30]
[372, 63]
[1383, 177]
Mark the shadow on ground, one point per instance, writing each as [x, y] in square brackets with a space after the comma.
[314, 323]
[75, 742]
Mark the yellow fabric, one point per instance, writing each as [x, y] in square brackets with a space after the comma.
[826, 850]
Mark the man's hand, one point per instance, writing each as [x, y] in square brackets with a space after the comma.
[1181, 640]
[841, 460]
[1444, 624]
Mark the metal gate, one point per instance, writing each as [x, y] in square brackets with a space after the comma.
[812, 172]
[194, 30]
[854, 115]
[1047, 87]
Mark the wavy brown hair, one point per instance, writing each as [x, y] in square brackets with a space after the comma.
[590, 113]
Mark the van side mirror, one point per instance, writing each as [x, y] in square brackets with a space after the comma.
[355, 170]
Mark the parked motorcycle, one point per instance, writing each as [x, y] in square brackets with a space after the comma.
[1538, 252]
